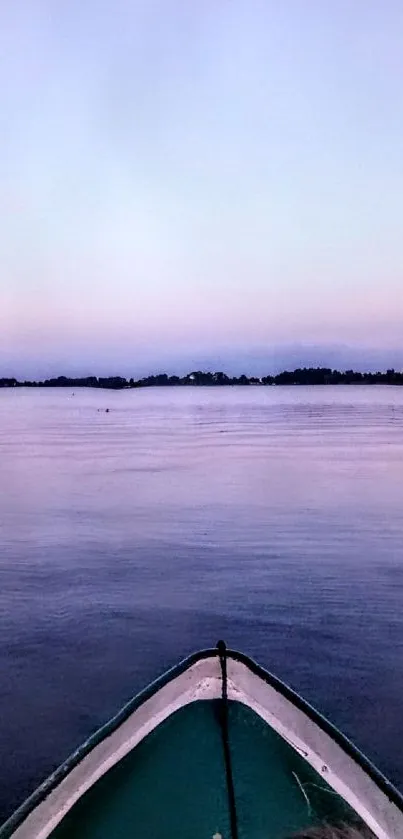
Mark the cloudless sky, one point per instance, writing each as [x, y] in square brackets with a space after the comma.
[186, 180]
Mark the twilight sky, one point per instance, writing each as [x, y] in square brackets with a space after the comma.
[217, 182]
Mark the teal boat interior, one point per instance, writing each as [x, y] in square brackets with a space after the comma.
[173, 785]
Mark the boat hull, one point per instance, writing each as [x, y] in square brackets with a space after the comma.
[158, 769]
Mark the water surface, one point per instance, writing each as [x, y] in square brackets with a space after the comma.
[271, 517]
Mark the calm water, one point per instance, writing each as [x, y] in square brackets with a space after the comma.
[271, 517]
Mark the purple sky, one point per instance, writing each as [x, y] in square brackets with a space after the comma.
[187, 183]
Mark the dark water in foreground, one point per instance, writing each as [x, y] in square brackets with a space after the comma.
[272, 517]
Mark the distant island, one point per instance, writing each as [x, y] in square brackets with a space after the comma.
[300, 376]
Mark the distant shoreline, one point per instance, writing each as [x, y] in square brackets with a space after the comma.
[300, 376]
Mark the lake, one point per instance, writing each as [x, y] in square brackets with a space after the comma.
[271, 517]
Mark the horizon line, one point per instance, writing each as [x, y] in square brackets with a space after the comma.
[299, 376]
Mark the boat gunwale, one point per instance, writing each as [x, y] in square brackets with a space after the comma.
[62, 771]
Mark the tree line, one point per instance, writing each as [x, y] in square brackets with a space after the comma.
[300, 376]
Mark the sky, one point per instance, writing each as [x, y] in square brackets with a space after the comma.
[186, 184]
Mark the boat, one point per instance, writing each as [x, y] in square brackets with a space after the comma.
[215, 748]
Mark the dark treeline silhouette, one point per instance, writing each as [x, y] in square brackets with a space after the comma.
[301, 376]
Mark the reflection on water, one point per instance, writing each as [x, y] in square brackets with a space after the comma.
[268, 516]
